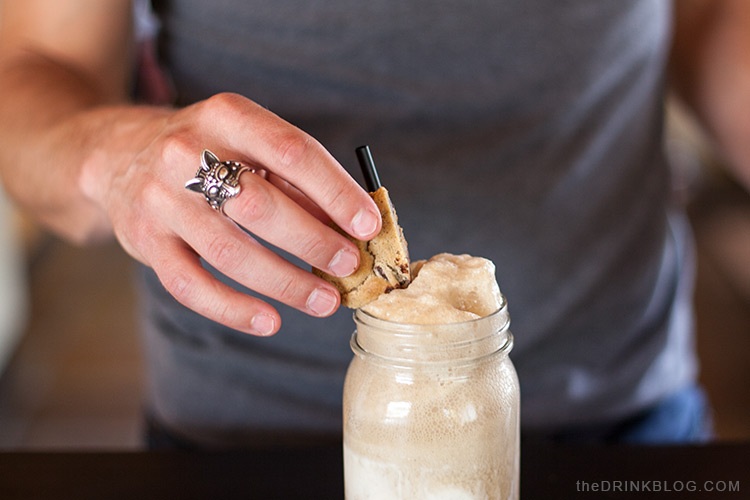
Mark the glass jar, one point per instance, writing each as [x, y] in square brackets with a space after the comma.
[431, 411]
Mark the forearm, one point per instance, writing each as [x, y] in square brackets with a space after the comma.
[54, 121]
[711, 72]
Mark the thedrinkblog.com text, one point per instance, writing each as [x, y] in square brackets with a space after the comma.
[671, 486]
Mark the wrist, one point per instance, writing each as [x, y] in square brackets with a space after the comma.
[119, 135]
[93, 149]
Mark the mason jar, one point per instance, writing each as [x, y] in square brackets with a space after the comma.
[431, 411]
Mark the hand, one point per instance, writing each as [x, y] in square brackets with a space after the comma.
[299, 188]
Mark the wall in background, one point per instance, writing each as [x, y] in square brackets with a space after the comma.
[13, 289]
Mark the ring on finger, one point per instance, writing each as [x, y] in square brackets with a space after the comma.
[217, 180]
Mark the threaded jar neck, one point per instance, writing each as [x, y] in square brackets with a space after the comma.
[409, 344]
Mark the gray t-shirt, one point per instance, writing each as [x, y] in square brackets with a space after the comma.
[528, 132]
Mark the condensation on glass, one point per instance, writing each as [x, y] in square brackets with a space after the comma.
[431, 411]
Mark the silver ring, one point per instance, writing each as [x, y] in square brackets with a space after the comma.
[217, 180]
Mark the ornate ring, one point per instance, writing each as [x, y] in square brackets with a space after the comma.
[217, 180]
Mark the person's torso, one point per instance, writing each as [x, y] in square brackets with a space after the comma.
[525, 131]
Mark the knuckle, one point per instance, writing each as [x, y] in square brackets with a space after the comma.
[225, 313]
[137, 231]
[225, 99]
[223, 252]
[179, 285]
[224, 104]
[337, 195]
[177, 146]
[312, 248]
[254, 203]
[187, 291]
[288, 290]
[153, 195]
[293, 147]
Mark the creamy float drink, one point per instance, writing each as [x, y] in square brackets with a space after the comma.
[431, 400]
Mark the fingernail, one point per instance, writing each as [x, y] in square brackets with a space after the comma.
[263, 324]
[343, 263]
[322, 301]
[364, 223]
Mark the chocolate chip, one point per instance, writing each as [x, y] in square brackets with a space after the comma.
[380, 271]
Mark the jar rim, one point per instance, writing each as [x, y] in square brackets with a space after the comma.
[404, 340]
[360, 316]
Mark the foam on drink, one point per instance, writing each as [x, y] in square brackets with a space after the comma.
[446, 289]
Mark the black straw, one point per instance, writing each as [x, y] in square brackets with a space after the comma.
[372, 181]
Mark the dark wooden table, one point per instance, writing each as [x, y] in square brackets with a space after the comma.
[716, 471]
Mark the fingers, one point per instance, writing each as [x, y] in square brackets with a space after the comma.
[265, 139]
[298, 197]
[271, 215]
[237, 255]
[301, 190]
[183, 276]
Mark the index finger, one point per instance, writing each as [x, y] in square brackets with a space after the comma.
[290, 153]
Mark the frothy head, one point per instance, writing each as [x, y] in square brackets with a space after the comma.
[446, 289]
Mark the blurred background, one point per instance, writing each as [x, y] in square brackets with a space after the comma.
[70, 362]
[70, 365]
